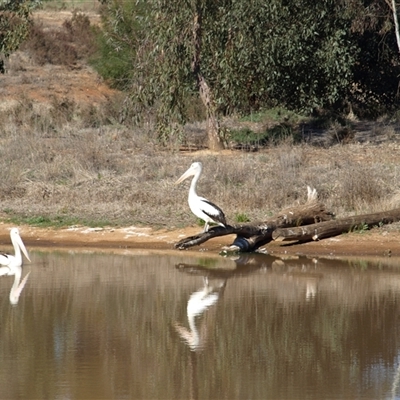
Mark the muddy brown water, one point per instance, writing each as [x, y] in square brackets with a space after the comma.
[139, 324]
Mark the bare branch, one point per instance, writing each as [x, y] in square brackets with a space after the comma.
[396, 23]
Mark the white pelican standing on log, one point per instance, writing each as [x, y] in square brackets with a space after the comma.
[201, 207]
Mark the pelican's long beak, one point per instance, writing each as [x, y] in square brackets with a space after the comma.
[22, 247]
[186, 175]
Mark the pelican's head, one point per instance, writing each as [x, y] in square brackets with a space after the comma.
[16, 238]
[194, 169]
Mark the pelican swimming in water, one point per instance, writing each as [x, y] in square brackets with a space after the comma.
[10, 262]
[201, 207]
[12, 265]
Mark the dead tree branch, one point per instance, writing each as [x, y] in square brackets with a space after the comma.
[303, 222]
[251, 236]
[333, 228]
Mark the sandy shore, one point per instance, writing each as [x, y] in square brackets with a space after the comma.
[376, 242]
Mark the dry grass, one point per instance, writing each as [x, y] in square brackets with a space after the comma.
[53, 165]
[64, 157]
[62, 161]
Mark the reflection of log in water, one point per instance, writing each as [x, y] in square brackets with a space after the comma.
[294, 278]
[246, 264]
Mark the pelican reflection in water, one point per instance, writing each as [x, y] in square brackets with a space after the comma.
[12, 265]
[198, 303]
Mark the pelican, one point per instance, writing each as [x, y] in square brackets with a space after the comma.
[201, 207]
[9, 262]
[198, 303]
[12, 265]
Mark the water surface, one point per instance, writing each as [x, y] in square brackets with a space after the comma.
[91, 325]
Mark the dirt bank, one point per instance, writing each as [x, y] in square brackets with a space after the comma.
[377, 242]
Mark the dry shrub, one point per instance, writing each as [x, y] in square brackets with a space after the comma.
[341, 134]
[17, 115]
[52, 47]
[359, 187]
[81, 33]
[25, 116]
[30, 118]
[108, 112]
[62, 110]
[95, 155]
[65, 46]
[10, 180]
[290, 158]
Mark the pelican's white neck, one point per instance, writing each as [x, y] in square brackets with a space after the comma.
[17, 250]
[193, 184]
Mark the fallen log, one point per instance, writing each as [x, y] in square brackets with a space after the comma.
[252, 236]
[301, 223]
[332, 228]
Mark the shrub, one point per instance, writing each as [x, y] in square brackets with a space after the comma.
[65, 46]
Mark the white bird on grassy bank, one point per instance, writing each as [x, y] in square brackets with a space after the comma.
[201, 207]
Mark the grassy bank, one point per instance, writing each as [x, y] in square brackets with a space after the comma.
[115, 175]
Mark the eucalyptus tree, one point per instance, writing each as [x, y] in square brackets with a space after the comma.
[375, 85]
[242, 55]
[14, 23]
[239, 55]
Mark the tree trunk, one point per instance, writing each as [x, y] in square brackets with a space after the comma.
[213, 129]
